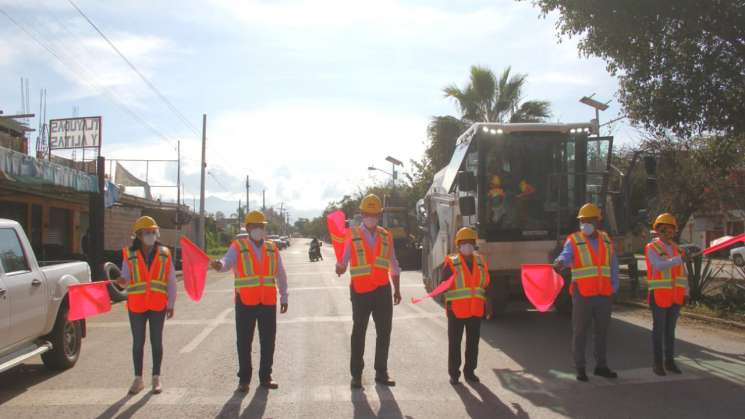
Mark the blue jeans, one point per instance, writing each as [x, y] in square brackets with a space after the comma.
[663, 330]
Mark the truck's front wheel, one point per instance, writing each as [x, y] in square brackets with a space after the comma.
[66, 339]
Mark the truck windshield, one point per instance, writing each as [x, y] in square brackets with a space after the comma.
[529, 185]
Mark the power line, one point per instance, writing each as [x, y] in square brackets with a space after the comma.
[113, 96]
[132, 66]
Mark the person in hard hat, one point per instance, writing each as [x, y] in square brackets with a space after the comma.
[373, 266]
[594, 265]
[259, 273]
[466, 303]
[667, 290]
[150, 278]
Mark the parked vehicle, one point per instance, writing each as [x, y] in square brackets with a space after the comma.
[285, 240]
[33, 304]
[276, 239]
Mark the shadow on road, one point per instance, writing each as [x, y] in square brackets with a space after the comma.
[18, 380]
[541, 344]
[232, 407]
[487, 404]
[388, 406]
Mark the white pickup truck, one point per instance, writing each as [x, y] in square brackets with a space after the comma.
[33, 304]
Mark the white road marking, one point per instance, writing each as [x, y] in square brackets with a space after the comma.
[206, 331]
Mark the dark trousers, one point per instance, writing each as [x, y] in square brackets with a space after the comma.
[472, 326]
[379, 303]
[588, 311]
[246, 318]
[663, 330]
[138, 324]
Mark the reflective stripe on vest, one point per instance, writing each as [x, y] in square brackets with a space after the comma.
[665, 278]
[138, 284]
[362, 268]
[460, 290]
[586, 267]
[247, 275]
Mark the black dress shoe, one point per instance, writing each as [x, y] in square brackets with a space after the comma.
[385, 380]
[454, 381]
[670, 366]
[582, 375]
[356, 382]
[472, 378]
[658, 370]
[605, 372]
[270, 384]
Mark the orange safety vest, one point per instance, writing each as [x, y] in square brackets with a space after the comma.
[148, 288]
[255, 282]
[669, 285]
[591, 270]
[369, 267]
[467, 295]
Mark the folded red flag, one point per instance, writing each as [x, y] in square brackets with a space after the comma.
[335, 222]
[541, 285]
[194, 265]
[726, 243]
[88, 299]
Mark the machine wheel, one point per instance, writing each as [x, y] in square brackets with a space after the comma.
[499, 292]
[66, 339]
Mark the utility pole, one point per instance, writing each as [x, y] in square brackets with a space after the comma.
[178, 193]
[263, 200]
[281, 216]
[248, 187]
[202, 233]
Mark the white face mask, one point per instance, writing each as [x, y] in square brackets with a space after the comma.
[148, 239]
[587, 228]
[370, 222]
[256, 234]
[466, 249]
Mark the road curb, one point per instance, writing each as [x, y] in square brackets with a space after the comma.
[732, 323]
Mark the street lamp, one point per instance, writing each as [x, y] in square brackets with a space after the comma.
[598, 106]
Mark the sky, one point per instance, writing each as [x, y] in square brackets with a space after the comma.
[301, 96]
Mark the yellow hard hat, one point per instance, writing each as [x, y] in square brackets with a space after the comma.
[371, 204]
[465, 233]
[143, 223]
[665, 218]
[589, 210]
[255, 217]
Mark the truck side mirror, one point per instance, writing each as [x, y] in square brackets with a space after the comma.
[466, 181]
[467, 205]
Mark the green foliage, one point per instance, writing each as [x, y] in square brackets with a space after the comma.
[679, 62]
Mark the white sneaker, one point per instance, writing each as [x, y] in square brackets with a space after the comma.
[137, 386]
[157, 388]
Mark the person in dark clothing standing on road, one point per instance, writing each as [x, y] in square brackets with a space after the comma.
[373, 265]
[259, 273]
[468, 275]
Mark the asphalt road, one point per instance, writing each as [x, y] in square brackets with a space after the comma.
[525, 364]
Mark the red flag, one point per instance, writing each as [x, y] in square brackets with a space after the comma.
[88, 299]
[194, 265]
[726, 243]
[338, 232]
[541, 285]
[444, 286]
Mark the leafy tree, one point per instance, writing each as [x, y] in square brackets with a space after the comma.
[679, 62]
